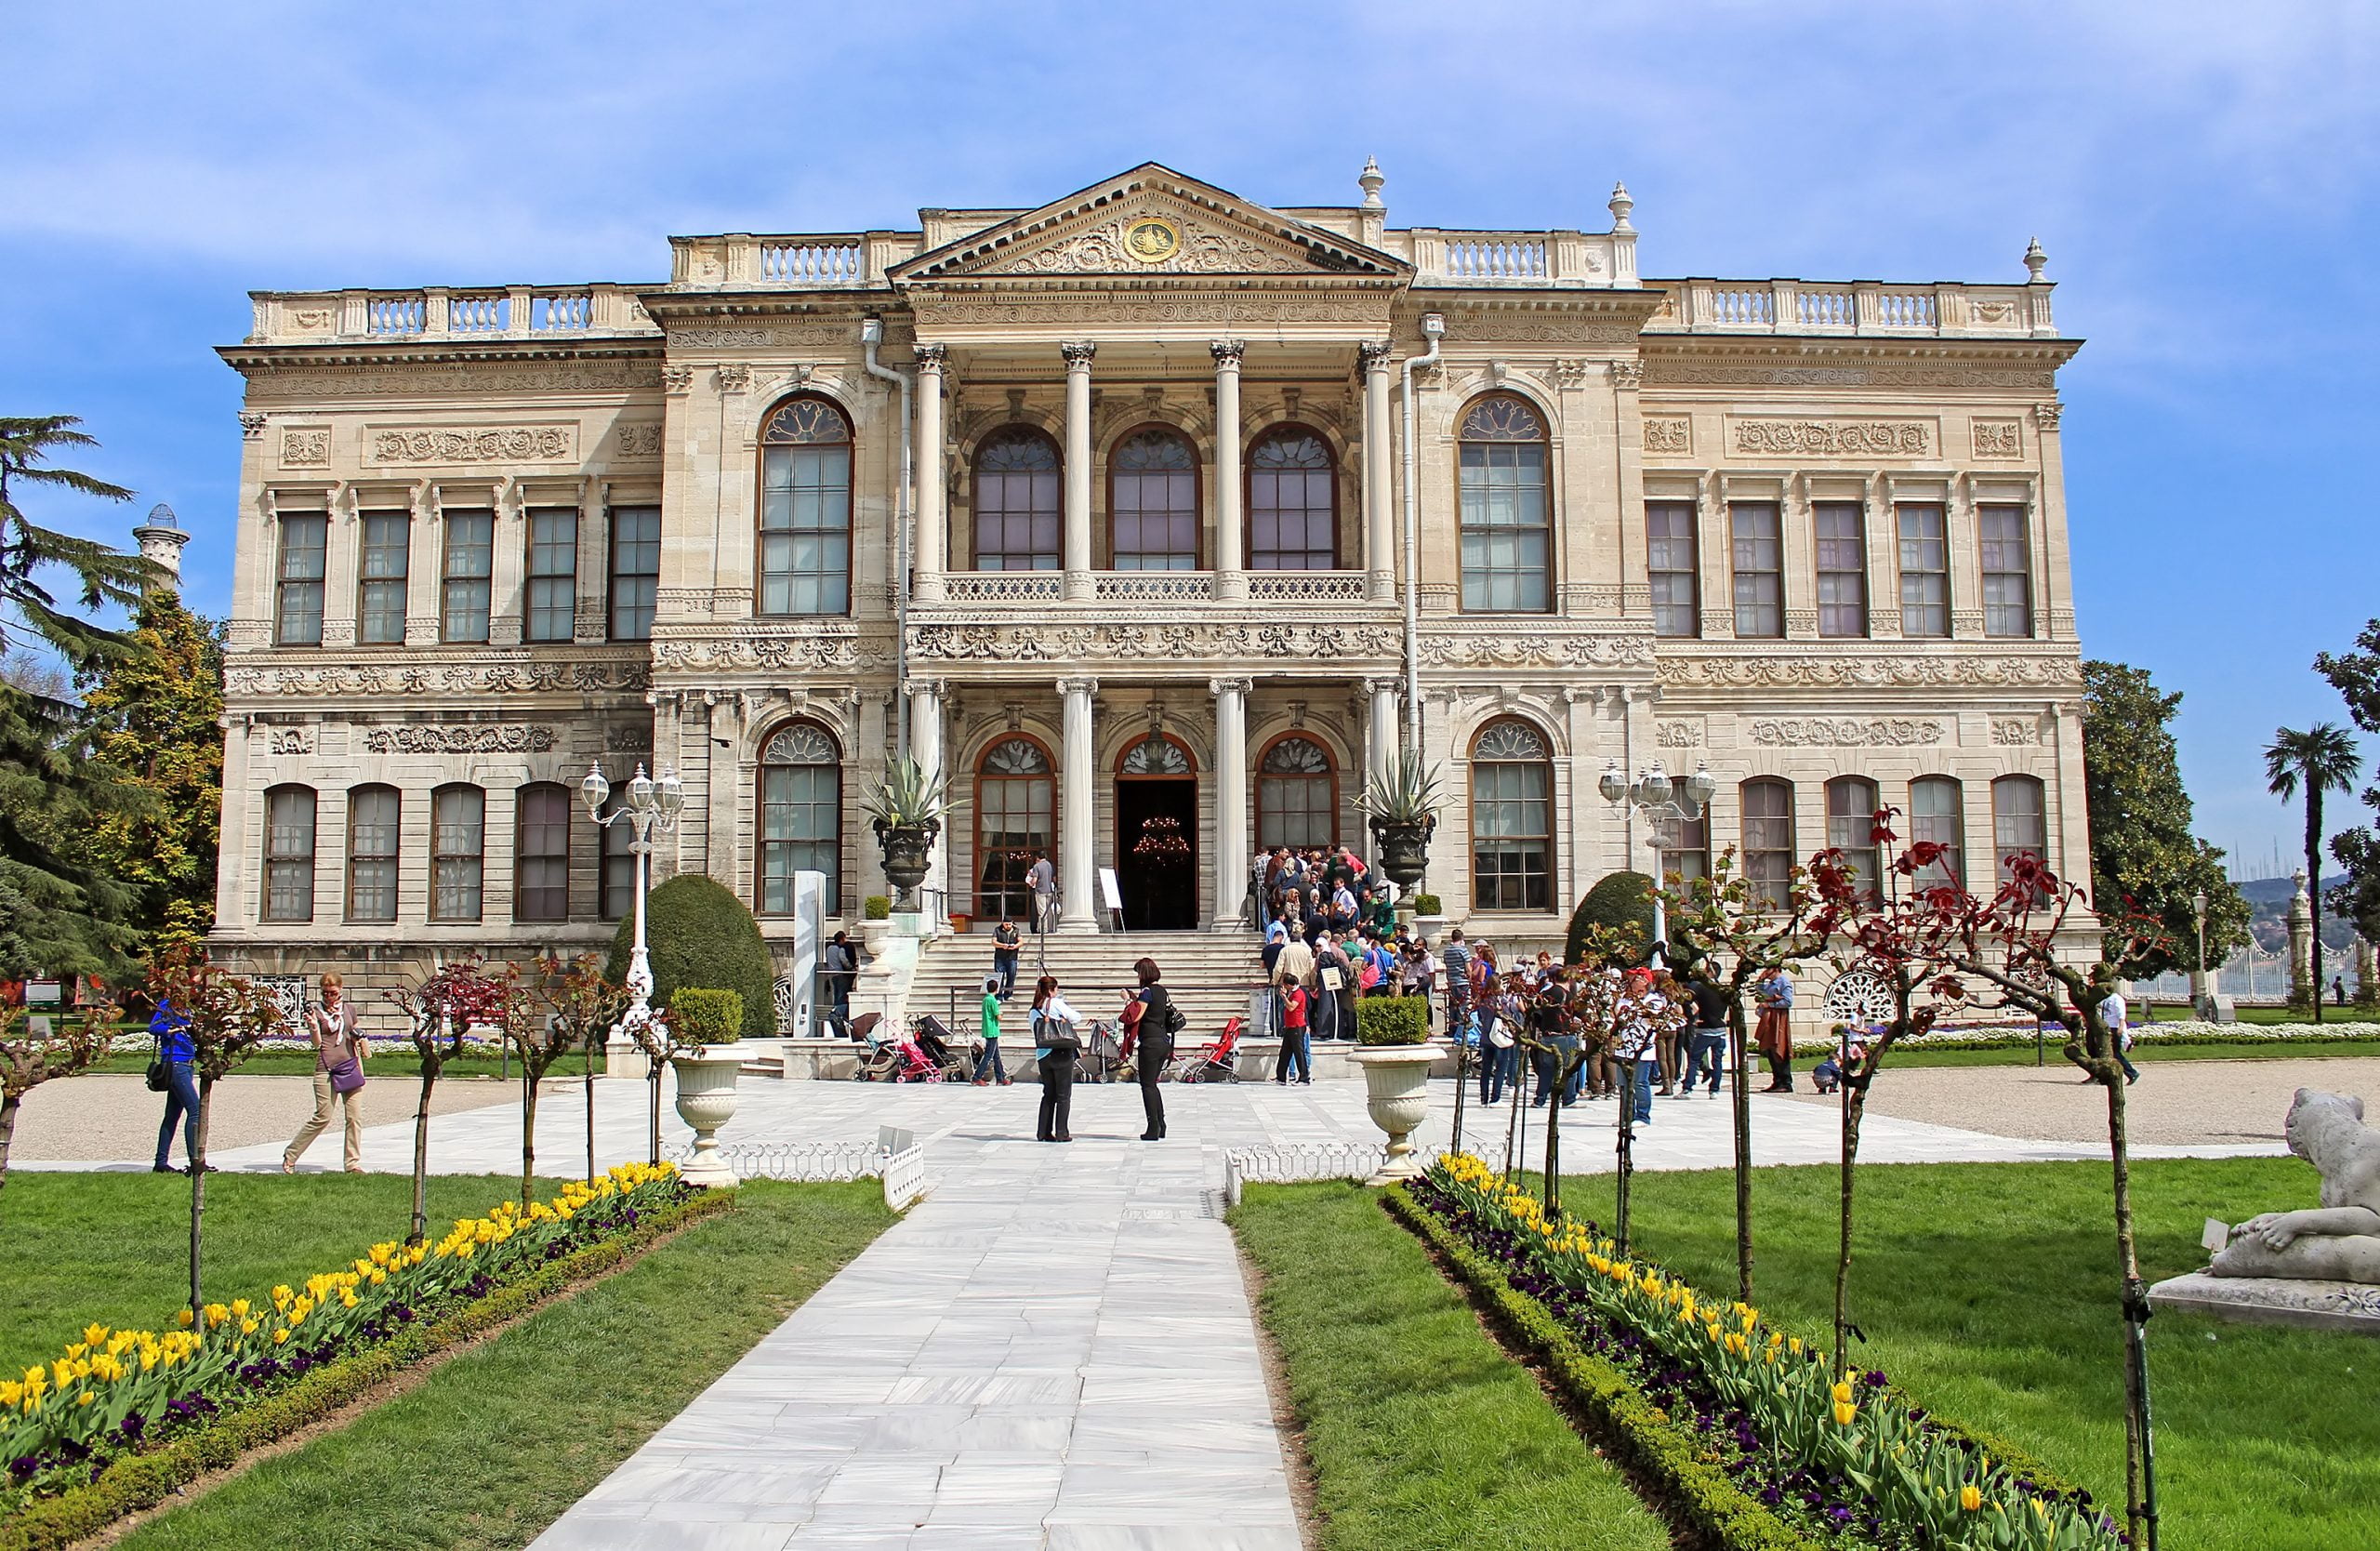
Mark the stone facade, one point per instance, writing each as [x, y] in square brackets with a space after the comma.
[1195, 416]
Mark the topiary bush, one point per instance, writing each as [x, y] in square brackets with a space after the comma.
[1425, 904]
[1623, 901]
[702, 1016]
[878, 906]
[699, 933]
[1392, 1020]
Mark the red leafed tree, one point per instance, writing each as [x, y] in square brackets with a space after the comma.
[438, 1012]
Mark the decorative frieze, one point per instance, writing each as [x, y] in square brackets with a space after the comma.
[1678, 735]
[490, 678]
[1833, 438]
[290, 740]
[251, 425]
[639, 440]
[1536, 651]
[1871, 671]
[2016, 732]
[1669, 434]
[811, 649]
[460, 738]
[1664, 371]
[307, 448]
[440, 444]
[282, 381]
[1999, 439]
[1843, 732]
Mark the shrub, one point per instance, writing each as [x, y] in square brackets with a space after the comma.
[1392, 1020]
[1623, 900]
[699, 933]
[703, 1016]
[877, 907]
[1426, 905]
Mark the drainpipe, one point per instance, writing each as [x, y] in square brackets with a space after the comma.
[1433, 324]
[871, 333]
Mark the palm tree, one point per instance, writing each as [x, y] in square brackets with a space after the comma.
[2323, 758]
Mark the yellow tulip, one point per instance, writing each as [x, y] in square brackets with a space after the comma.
[280, 1336]
[1970, 1498]
[1844, 1412]
[182, 1318]
[1841, 1391]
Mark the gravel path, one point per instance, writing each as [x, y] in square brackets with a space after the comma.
[110, 1115]
[2179, 1103]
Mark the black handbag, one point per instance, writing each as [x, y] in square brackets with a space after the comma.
[161, 1076]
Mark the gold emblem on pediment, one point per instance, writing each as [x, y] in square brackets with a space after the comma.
[1152, 239]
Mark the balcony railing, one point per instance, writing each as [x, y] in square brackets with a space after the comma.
[1564, 259]
[1154, 586]
[439, 313]
[1004, 586]
[1856, 307]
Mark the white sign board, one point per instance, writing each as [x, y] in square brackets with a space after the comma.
[808, 916]
[1110, 896]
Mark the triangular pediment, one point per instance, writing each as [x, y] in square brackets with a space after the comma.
[1149, 223]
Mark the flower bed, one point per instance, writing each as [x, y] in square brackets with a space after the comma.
[1742, 1421]
[2008, 1036]
[135, 1393]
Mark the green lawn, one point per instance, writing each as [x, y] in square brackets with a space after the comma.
[1422, 1433]
[114, 1248]
[1987, 1290]
[2176, 1012]
[2022, 1055]
[384, 1062]
[494, 1445]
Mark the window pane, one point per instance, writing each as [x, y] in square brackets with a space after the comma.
[541, 858]
[1843, 568]
[801, 816]
[2007, 572]
[298, 606]
[1017, 502]
[636, 570]
[380, 603]
[1925, 572]
[289, 853]
[372, 817]
[1670, 559]
[1759, 555]
[1292, 519]
[1512, 832]
[552, 591]
[2020, 824]
[1935, 815]
[1293, 796]
[1769, 839]
[1685, 847]
[1505, 508]
[1015, 800]
[1851, 805]
[805, 528]
[470, 567]
[457, 844]
[619, 872]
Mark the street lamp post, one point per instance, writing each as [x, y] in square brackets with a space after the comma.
[1659, 798]
[648, 807]
[2201, 1000]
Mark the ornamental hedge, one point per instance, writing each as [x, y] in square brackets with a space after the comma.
[700, 1016]
[1392, 1020]
[699, 933]
[1623, 901]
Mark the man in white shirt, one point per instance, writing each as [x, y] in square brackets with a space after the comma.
[2113, 1012]
[1042, 879]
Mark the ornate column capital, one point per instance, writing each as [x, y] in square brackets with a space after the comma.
[1626, 375]
[1220, 687]
[925, 689]
[1083, 684]
[1385, 686]
[1373, 355]
[930, 357]
[1227, 353]
[1078, 353]
[251, 424]
[677, 379]
[2046, 414]
[734, 377]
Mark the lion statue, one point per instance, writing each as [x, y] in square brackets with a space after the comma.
[2339, 1240]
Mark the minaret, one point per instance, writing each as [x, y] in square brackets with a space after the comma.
[161, 540]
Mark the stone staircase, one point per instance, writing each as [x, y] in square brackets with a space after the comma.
[1210, 974]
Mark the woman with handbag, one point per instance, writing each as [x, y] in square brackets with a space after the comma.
[173, 1075]
[1055, 1049]
[1152, 1032]
[339, 1076]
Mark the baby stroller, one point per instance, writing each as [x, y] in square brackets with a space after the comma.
[883, 1062]
[933, 1042]
[1102, 1058]
[1215, 1061]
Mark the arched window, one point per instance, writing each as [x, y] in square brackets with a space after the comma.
[1507, 509]
[1161, 756]
[1511, 819]
[1016, 501]
[289, 853]
[372, 817]
[801, 815]
[2019, 821]
[1768, 839]
[1851, 803]
[457, 846]
[616, 890]
[1297, 794]
[1017, 806]
[1936, 813]
[1293, 502]
[541, 853]
[806, 510]
[1152, 501]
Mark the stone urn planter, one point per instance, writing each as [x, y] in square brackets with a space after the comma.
[706, 1101]
[1402, 849]
[1397, 1084]
[906, 848]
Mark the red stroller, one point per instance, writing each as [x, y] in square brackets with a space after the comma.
[1216, 1061]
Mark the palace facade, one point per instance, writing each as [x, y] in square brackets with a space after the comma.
[1150, 513]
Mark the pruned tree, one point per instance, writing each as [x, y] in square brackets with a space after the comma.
[454, 999]
[656, 1038]
[225, 1016]
[586, 1007]
[1727, 933]
[64, 1045]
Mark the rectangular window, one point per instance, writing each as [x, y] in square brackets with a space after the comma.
[541, 859]
[636, 570]
[471, 573]
[1685, 848]
[298, 602]
[372, 817]
[1843, 568]
[1769, 839]
[1670, 559]
[552, 597]
[458, 837]
[1507, 528]
[806, 529]
[2019, 823]
[1925, 571]
[1760, 569]
[1512, 836]
[289, 853]
[380, 590]
[2007, 572]
[619, 872]
[1935, 816]
[1851, 826]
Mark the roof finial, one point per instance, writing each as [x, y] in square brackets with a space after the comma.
[1620, 205]
[1371, 180]
[2035, 262]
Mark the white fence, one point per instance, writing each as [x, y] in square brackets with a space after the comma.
[1292, 1165]
[2251, 975]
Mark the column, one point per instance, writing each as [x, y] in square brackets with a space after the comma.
[1380, 746]
[1379, 507]
[925, 746]
[927, 558]
[1233, 853]
[1077, 543]
[1077, 871]
[1231, 580]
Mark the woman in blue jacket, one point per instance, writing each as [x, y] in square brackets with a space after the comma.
[172, 1032]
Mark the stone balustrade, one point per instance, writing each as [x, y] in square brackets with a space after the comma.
[1698, 306]
[1525, 258]
[440, 312]
[976, 588]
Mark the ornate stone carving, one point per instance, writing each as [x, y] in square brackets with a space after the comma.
[1834, 438]
[2016, 732]
[1626, 375]
[1572, 372]
[812, 649]
[1535, 651]
[1090, 642]
[677, 379]
[1205, 309]
[316, 382]
[2337, 1242]
[1679, 734]
[458, 738]
[251, 425]
[1374, 355]
[308, 448]
[734, 377]
[932, 358]
[1999, 439]
[642, 441]
[556, 444]
[1102, 249]
[452, 678]
[1843, 732]
[721, 339]
[1227, 353]
[1702, 372]
[290, 740]
[1859, 997]
[2045, 414]
[1669, 434]
[1078, 353]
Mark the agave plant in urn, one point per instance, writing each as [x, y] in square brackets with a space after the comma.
[905, 809]
[1402, 807]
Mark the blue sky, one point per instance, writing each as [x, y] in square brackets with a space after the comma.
[2203, 177]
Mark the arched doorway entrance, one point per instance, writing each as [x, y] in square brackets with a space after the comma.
[1157, 835]
[1016, 807]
